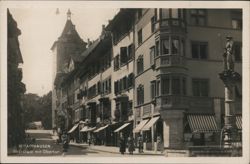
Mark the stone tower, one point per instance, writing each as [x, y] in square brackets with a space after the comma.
[67, 45]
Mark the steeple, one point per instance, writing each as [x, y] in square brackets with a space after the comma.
[69, 14]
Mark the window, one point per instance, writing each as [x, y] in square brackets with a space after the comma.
[176, 86]
[140, 95]
[153, 22]
[124, 82]
[198, 17]
[99, 87]
[238, 51]
[165, 13]
[140, 64]
[153, 88]
[175, 46]
[199, 50]
[152, 55]
[124, 57]
[236, 17]
[130, 80]
[130, 52]
[200, 87]
[165, 46]
[140, 37]
[165, 85]
[237, 24]
[157, 92]
[184, 87]
[174, 13]
[139, 13]
[157, 49]
[116, 62]
[116, 87]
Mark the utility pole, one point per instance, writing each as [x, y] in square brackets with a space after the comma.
[229, 78]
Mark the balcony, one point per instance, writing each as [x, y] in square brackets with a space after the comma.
[172, 101]
[170, 61]
[171, 24]
[184, 102]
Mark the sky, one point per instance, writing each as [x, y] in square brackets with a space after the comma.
[40, 27]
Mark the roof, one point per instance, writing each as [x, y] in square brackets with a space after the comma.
[69, 32]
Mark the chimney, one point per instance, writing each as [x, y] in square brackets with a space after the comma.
[88, 43]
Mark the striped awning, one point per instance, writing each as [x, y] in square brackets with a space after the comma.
[150, 123]
[238, 122]
[101, 128]
[87, 129]
[202, 123]
[73, 128]
[140, 126]
[122, 127]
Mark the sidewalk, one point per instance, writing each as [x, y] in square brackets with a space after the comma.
[112, 149]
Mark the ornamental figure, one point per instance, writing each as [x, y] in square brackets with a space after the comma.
[228, 55]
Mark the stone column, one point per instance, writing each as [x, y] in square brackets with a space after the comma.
[173, 128]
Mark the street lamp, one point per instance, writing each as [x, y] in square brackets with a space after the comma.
[229, 78]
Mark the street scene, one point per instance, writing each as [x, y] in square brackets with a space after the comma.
[134, 82]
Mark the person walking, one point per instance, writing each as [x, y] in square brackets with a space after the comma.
[160, 146]
[140, 143]
[131, 147]
[65, 143]
[122, 144]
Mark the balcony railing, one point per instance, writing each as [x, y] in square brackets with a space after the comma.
[170, 60]
[184, 102]
[171, 24]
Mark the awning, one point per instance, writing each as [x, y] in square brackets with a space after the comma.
[101, 128]
[140, 126]
[150, 123]
[202, 123]
[238, 122]
[73, 128]
[86, 129]
[122, 127]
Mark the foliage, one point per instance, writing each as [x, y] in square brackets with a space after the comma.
[38, 109]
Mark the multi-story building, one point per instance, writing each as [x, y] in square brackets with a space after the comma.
[153, 72]
[178, 56]
[16, 89]
[66, 54]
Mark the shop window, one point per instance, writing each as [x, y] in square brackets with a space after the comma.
[174, 13]
[199, 50]
[140, 95]
[165, 13]
[200, 87]
[198, 17]
[238, 51]
[140, 64]
[236, 19]
[139, 34]
[152, 55]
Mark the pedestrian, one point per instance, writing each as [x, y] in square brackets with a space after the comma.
[65, 142]
[140, 143]
[159, 144]
[122, 144]
[131, 147]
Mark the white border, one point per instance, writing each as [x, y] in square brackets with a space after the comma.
[245, 5]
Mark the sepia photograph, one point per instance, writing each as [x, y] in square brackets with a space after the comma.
[137, 83]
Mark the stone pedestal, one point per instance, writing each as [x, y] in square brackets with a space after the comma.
[173, 128]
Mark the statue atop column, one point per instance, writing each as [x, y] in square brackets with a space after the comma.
[228, 55]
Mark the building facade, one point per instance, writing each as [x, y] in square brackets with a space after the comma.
[16, 89]
[153, 72]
